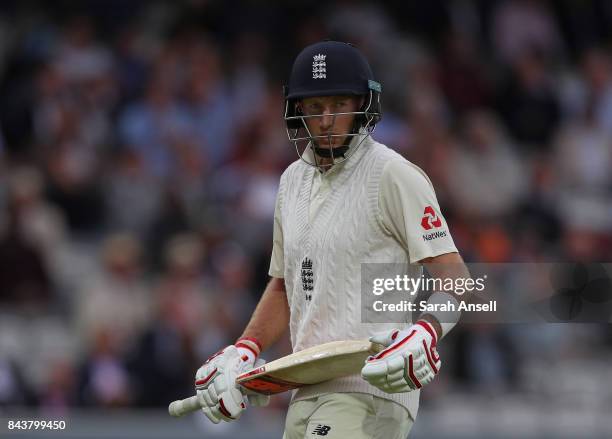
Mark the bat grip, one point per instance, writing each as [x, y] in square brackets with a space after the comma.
[182, 407]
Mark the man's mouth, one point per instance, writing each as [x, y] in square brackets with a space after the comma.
[328, 139]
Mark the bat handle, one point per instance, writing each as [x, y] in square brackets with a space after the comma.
[182, 407]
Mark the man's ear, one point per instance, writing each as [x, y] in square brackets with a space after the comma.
[298, 107]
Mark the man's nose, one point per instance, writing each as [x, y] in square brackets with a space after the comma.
[327, 119]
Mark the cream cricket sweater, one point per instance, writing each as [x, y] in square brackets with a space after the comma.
[320, 255]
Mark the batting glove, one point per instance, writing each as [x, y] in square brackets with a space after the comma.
[409, 362]
[215, 382]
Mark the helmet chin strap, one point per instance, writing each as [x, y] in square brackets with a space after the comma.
[339, 151]
[327, 152]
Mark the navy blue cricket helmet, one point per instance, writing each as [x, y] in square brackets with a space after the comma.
[331, 68]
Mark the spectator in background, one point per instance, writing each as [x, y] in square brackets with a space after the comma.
[234, 273]
[484, 355]
[14, 387]
[429, 137]
[70, 110]
[129, 184]
[583, 157]
[428, 117]
[103, 378]
[155, 127]
[41, 223]
[257, 197]
[583, 185]
[524, 25]
[597, 98]
[249, 79]
[181, 289]
[117, 303]
[209, 104]
[462, 74]
[131, 62]
[528, 102]
[160, 361]
[78, 57]
[60, 390]
[172, 219]
[74, 186]
[76, 95]
[87, 69]
[72, 127]
[185, 310]
[485, 178]
[27, 229]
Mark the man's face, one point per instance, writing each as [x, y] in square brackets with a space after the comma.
[327, 123]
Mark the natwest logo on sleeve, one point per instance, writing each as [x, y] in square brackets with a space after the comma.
[430, 219]
[434, 235]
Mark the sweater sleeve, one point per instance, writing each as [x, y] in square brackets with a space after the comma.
[277, 260]
[410, 211]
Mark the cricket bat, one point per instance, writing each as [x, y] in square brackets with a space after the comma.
[310, 366]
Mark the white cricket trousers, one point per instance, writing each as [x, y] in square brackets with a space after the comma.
[347, 416]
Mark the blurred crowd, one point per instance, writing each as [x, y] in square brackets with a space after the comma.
[141, 145]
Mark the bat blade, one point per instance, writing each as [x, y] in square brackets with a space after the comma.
[310, 366]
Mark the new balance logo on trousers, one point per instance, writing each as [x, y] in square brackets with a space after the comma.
[321, 430]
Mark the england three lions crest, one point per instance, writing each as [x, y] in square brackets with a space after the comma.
[307, 279]
[319, 67]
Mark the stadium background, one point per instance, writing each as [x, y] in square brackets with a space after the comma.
[141, 145]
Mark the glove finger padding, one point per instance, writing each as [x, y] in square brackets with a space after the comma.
[231, 405]
[213, 418]
[396, 387]
[396, 376]
[384, 338]
[204, 399]
[374, 371]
